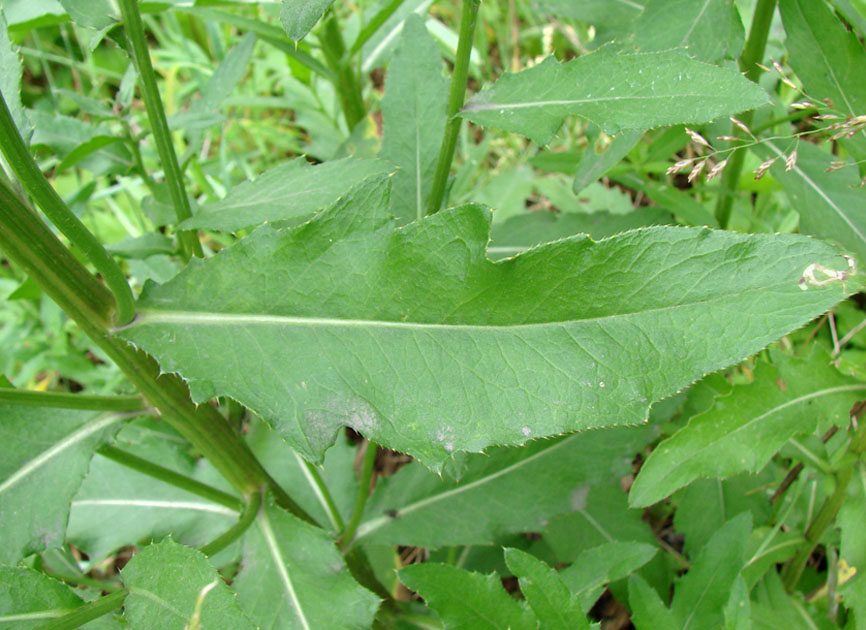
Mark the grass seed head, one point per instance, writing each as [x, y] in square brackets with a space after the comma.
[791, 160]
[698, 168]
[763, 168]
[698, 138]
[716, 169]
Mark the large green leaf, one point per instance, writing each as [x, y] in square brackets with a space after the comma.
[615, 91]
[709, 29]
[467, 601]
[300, 16]
[44, 455]
[744, 430]
[29, 599]
[172, 587]
[828, 202]
[417, 340]
[544, 590]
[292, 191]
[294, 577]
[853, 547]
[413, 115]
[418, 507]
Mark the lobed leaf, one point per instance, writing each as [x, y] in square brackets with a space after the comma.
[548, 596]
[289, 192]
[615, 91]
[744, 430]
[44, 456]
[294, 577]
[467, 601]
[417, 340]
[173, 587]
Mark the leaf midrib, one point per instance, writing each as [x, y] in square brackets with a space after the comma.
[478, 107]
[209, 318]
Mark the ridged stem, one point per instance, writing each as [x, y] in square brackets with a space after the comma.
[348, 534]
[64, 400]
[456, 96]
[33, 181]
[190, 245]
[28, 242]
[348, 85]
[248, 516]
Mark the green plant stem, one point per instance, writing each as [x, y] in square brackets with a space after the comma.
[171, 477]
[752, 55]
[86, 613]
[348, 534]
[27, 171]
[63, 400]
[827, 514]
[248, 516]
[29, 243]
[348, 85]
[83, 580]
[456, 96]
[190, 245]
[321, 489]
[374, 25]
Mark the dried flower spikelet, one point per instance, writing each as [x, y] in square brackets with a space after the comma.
[698, 138]
[778, 67]
[729, 138]
[763, 67]
[741, 125]
[829, 103]
[697, 170]
[791, 160]
[716, 170]
[763, 168]
[835, 166]
[789, 83]
[827, 117]
[679, 165]
[803, 105]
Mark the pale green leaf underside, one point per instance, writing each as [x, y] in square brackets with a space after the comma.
[742, 431]
[300, 16]
[418, 507]
[291, 191]
[293, 577]
[44, 455]
[615, 91]
[417, 340]
[172, 587]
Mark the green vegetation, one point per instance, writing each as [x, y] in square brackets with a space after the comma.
[404, 314]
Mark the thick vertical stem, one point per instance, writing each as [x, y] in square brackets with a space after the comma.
[456, 95]
[158, 123]
[34, 182]
[348, 534]
[28, 242]
[752, 55]
[348, 85]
